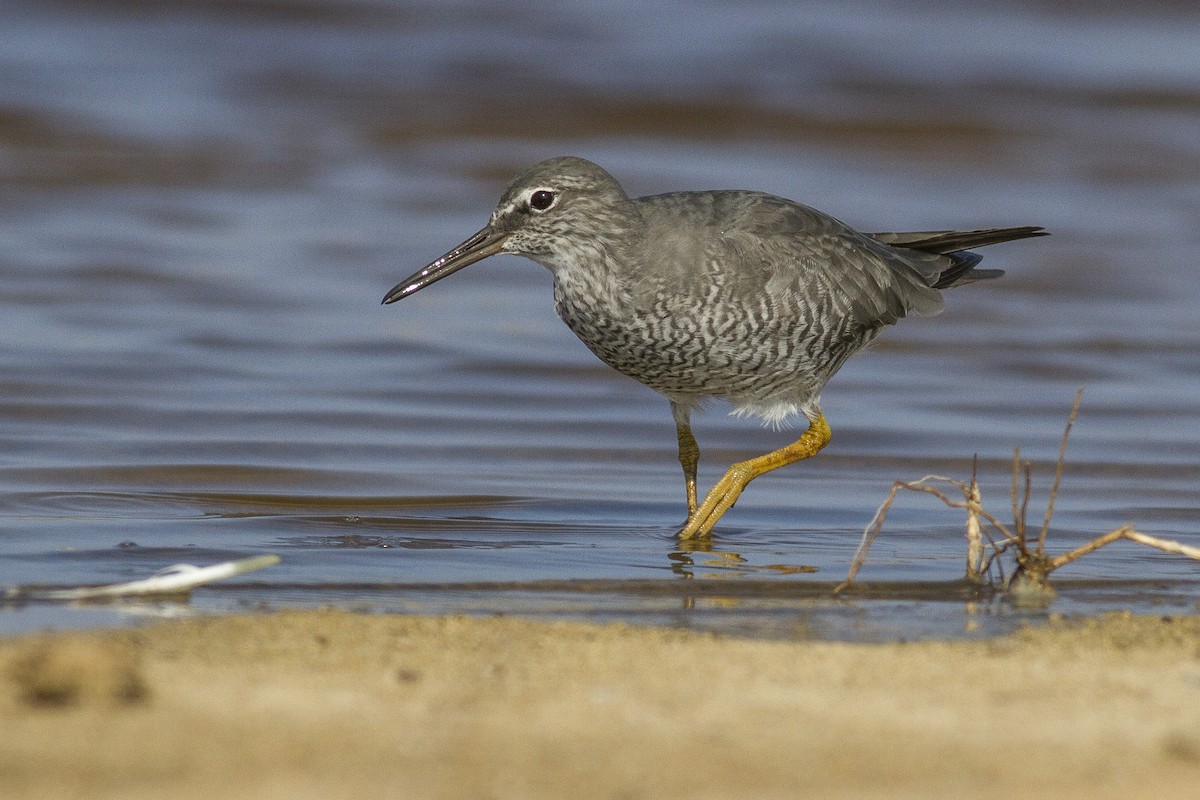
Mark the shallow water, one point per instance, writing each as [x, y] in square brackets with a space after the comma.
[202, 203]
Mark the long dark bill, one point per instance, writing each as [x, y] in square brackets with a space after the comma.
[483, 244]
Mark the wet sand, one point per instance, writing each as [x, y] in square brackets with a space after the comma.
[325, 704]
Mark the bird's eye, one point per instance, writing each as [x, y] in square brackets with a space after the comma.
[541, 200]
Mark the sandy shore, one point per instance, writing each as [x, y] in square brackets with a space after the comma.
[331, 704]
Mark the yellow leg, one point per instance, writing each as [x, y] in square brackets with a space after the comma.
[689, 454]
[726, 492]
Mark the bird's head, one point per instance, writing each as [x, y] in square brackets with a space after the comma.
[557, 213]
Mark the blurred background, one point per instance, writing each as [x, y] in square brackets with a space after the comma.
[202, 203]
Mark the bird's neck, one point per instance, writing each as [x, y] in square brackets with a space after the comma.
[590, 278]
[592, 283]
[600, 267]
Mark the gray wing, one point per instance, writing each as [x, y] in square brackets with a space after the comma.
[753, 243]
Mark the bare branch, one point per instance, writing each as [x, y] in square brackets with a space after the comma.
[1031, 569]
[974, 534]
[1014, 494]
[1058, 470]
[1025, 501]
[876, 523]
[1166, 545]
[1126, 532]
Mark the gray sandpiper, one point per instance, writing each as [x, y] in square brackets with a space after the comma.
[737, 295]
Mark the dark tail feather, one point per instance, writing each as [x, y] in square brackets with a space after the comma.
[951, 245]
[944, 242]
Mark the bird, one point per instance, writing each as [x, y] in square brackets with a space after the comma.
[733, 295]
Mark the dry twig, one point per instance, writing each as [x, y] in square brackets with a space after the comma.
[1030, 576]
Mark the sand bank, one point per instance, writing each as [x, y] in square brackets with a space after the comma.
[332, 704]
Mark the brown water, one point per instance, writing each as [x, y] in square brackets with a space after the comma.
[202, 203]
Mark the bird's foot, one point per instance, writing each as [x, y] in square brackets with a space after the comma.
[722, 496]
[719, 500]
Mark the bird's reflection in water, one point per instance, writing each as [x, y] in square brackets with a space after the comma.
[692, 554]
[705, 559]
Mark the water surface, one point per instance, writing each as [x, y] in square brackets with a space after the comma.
[202, 203]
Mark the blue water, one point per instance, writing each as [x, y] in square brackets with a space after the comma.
[201, 205]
